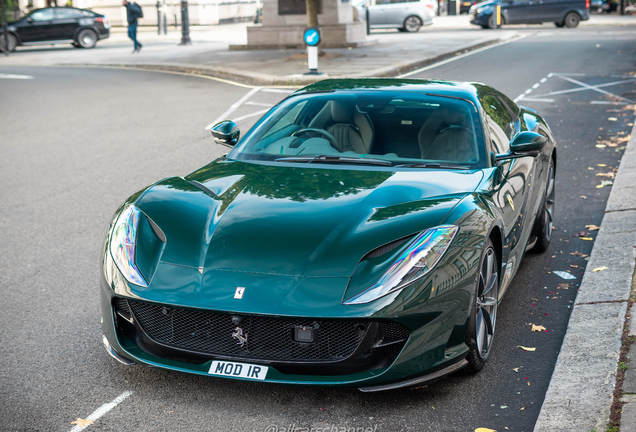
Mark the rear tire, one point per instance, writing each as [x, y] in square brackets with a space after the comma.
[412, 24]
[87, 38]
[572, 20]
[483, 316]
[545, 221]
[13, 42]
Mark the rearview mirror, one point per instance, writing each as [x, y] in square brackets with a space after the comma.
[226, 133]
[524, 144]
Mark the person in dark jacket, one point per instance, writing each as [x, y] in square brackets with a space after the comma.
[133, 12]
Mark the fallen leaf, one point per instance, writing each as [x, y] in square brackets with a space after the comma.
[612, 118]
[538, 328]
[577, 253]
[574, 266]
[600, 146]
[503, 406]
[583, 196]
[484, 430]
[599, 269]
[526, 348]
[593, 227]
[517, 369]
[522, 408]
[586, 238]
[82, 422]
[601, 165]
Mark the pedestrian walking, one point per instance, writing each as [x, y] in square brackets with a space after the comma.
[133, 13]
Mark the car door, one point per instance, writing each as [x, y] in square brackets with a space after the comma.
[38, 26]
[377, 12]
[65, 22]
[519, 11]
[397, 11]
[513, 185]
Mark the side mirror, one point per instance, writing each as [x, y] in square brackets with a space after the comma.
[226, 133]
[524, 144]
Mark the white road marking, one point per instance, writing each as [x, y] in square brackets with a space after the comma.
[585, 88]
[452, 59]
[103, 410]
[543, 80]
[538, 100]
[259, 104]
[527, 91]
[12, 76]
[274, 90]
[536, 85]
[607, 103]
[591, 87]
[251, 115]
[234, 107]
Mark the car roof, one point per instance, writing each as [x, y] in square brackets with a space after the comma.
[462, 90]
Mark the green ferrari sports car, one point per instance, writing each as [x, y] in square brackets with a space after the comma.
[362, 233]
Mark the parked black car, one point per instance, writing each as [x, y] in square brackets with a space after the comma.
[80, 27]
[566, 13]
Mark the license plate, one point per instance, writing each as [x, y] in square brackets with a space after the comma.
[238, 370]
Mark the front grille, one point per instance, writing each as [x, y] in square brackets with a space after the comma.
[267, 338]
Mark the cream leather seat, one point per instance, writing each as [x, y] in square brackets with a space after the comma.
[352, 129]
[446, 135]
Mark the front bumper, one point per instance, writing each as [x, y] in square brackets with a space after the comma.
[409, 337]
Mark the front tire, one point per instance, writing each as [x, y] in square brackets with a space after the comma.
[543, 226]
[572, 20]
[13, 42]
[483, 317]
[87, 38]
[412, 24]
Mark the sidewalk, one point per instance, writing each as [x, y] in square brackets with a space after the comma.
[581, 390]
[392, 54]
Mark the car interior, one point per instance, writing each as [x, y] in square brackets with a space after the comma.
[391, 127]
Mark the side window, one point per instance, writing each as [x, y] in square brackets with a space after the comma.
[42, 15]
[288, 118]
[67, 13]
[500, 123]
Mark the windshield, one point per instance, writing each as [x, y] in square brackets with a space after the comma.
[374, 127]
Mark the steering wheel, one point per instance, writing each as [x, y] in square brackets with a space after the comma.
[320, 132]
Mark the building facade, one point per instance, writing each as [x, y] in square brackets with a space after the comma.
[201, 12]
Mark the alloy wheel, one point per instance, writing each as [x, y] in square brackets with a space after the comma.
[487, 302]
[87, 38]
[12, 42]
[412, 24]
[549, 204]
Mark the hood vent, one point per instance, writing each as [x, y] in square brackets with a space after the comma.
[204, 189]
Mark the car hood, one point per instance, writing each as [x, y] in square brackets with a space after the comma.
[291, 220]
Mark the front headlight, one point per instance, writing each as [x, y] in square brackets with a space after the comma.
[416, 261]
[123, 245]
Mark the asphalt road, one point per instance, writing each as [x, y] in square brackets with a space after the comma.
[75, 142]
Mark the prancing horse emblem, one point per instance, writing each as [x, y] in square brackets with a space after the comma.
[240, 336]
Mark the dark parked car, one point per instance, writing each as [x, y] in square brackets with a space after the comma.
[82, 28]
[465, 5]
[566, 13]
[361, 234]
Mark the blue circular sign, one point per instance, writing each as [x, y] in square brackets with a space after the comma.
[312, 36]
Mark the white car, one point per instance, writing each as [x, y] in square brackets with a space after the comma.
[404, 15]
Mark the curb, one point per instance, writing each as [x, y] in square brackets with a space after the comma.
[261, 79]
[580, 394]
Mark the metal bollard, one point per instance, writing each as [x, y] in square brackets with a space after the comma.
[185, 24]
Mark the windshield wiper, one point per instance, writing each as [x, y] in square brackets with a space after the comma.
[433, 165]
[335, 159]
